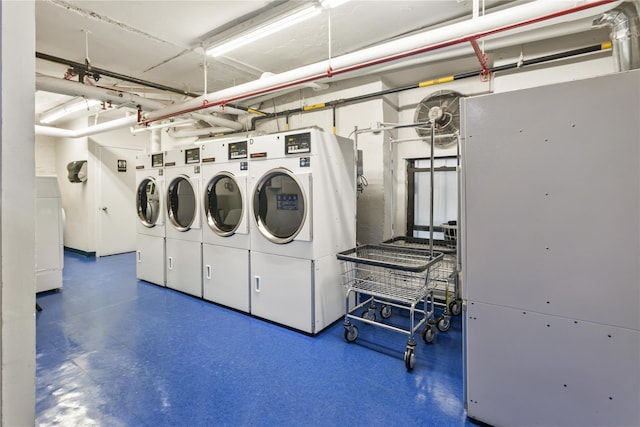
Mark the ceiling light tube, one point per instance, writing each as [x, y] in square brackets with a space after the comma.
[264, 31]
[330, 4]
[68, 109]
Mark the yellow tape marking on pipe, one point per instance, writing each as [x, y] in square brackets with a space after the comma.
[606, 45]
[315, 106]
[335, 131]
[436, 81]
[252, 111]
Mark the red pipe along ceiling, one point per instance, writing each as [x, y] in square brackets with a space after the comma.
[331, 72]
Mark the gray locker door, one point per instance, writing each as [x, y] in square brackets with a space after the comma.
[551, 238]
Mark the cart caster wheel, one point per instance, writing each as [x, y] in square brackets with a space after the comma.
[444, 323]
[369, 314]
[351, 333]
[455, 307]
[428, 335]
[409, 358]
[385, 311]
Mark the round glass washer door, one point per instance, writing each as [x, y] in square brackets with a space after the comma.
[223, 204]
[181, 203]
[148, 202]
[279, 206]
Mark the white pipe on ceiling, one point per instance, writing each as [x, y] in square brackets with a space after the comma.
[71, 88]
[186, 133]
[216, 121]
[518, 15]
[135, 130]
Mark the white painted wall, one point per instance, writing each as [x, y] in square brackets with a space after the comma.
[45, 153]
[77, 198]
[80, 200]
[17, 220]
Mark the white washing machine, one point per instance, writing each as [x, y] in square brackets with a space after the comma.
[303, 212]
[225, 225]
[150, 238]
[184, 231]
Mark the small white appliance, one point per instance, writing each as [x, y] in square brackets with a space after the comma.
[150, 238]
[48, 231]
[183, 231]
[225, 225]
[303, 201]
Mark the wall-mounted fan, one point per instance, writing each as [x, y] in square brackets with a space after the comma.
[444, 108]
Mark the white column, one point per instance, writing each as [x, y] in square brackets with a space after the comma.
[17, 254]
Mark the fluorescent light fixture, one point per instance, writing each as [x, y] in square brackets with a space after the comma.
[329, 4]
[65, 110]
[264, 31]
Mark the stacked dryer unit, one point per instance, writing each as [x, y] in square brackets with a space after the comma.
[150, 239]
[303, 199]
[184, 233]
[225, 225]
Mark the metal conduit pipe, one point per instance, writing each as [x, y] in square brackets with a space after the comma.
[100, 71]
[624, 22]
[533, 13]
[446, 79]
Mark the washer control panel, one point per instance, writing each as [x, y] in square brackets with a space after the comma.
[297, 143]
[238, 150]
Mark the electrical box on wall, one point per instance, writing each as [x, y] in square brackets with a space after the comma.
[77, 171]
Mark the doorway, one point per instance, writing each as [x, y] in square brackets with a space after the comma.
[116, 216]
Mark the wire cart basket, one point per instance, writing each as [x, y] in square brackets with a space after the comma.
[395, 277]
[444, 275]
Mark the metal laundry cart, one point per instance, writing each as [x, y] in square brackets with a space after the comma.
[393, 277]
[444, 275]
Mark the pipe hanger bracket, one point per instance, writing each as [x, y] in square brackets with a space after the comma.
[485, 74]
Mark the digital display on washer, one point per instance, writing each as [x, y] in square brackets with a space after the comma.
[157, 160]
[298, 143]
[192, 155]
[238, 150]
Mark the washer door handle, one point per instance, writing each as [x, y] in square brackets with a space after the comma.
[170, 259]
[257, 283]
[208, 272]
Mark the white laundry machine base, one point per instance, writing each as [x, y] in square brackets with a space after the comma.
[184, 266]
[225, 276]
[150, 259]
[303, 294]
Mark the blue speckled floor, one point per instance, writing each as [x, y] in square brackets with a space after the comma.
[115, 351]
